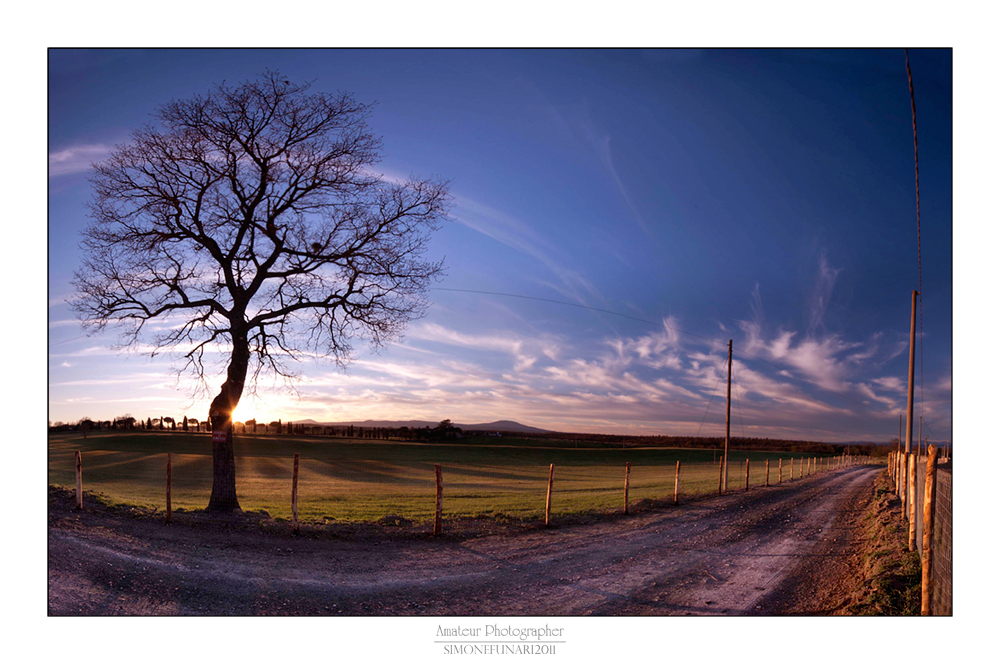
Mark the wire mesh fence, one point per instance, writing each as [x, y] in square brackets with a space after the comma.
[362, 481]
[941, 568]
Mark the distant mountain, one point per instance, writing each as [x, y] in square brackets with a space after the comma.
[501, 425]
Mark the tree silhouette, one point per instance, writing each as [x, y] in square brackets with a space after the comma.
[250, 220]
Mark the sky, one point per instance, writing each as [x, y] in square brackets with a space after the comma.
[618, 217]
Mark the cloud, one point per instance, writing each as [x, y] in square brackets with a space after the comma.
[870, 393]
[826, 277]
[815, 360]
[603, 147]
[890, 383]
[76, 159]
[754, 382]
[502, 343]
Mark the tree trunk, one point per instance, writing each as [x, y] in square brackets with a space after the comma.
[220, 414]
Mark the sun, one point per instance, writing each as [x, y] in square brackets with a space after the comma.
[244, 411]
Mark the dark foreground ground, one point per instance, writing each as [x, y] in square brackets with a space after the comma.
[791, 549]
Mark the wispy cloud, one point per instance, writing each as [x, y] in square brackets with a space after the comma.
[521, 237]
[76, 159]
[869, 393]
[890, 384]
[603, 147]
[506, 344]
[826, 277]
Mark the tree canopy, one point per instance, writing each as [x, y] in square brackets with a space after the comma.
[250, 222]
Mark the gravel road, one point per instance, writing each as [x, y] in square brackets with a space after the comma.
[770, 551]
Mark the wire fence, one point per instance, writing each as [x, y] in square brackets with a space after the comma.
[910, 474]
[941, 537]
[361, 481]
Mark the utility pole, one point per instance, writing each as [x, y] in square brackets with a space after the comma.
[729, 387]
[909, 391]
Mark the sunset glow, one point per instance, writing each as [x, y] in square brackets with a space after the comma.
[618, 216]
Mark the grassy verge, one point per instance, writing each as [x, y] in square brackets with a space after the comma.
[891, 573]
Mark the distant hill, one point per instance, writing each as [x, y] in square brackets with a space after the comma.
[501, 425]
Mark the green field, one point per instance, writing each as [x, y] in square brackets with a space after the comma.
[365, 480]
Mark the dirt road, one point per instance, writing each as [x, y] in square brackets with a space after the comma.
[771, 551]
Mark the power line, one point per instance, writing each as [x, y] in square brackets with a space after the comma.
[708, 406]
[916, 171]
[710, 402]
[740, 408]
[66, 341]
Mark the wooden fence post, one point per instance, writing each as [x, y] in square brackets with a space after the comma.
[913, 501]
[548, 495]
[79, 480]
[720, 475]
[169, 469]
[746, 483]
[295, 493]
[628, 468]
[439, 498]
[767, 472]
[677, 481]
[927, 553]
[779, 471]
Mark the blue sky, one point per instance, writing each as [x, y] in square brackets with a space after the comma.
[762, 196]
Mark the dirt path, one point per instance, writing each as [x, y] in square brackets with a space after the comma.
[776, 550]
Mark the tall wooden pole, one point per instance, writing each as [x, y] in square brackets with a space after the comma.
[729, 387]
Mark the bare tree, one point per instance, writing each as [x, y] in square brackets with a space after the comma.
[250, 222]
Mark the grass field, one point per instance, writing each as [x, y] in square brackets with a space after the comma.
[365, 480]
